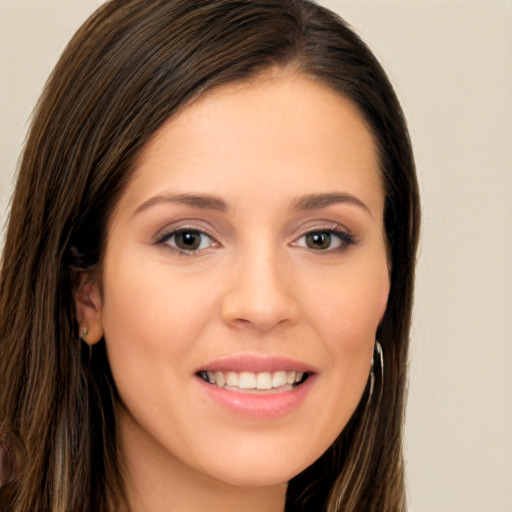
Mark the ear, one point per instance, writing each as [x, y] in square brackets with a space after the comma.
[88, 304]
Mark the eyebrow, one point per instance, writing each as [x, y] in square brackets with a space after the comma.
[322, 200]
[204, 202]
[211, 202]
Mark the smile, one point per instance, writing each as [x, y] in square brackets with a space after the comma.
[280, 380]
[254, 386]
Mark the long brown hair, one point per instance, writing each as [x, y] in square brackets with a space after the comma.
[130, 67]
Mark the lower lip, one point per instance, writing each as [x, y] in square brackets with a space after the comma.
[258, 405]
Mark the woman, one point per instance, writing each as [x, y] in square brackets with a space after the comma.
[215, 220]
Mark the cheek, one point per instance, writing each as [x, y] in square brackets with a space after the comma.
[144, 296]
[352, 305]
[345, 316]
[150, 319]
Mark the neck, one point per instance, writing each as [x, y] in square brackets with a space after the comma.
[155, 481]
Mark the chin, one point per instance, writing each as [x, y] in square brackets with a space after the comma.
[266, 471]
[258, 477]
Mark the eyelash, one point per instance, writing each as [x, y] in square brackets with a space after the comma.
[345, 240]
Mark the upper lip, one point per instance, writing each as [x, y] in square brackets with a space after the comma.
[256, 363]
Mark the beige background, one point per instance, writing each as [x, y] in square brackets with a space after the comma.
[452, 64]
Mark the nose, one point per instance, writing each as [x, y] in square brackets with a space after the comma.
[259, 293]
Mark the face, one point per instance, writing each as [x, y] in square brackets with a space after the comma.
[244, 280]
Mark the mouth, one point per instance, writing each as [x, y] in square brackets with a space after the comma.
[256, 387]
[262, 382]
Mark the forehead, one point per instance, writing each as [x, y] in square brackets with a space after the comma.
[282, 128]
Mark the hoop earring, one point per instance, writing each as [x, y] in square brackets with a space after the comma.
[380, 355]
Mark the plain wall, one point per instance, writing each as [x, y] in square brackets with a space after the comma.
[452, 64]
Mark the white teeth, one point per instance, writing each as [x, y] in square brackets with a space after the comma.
[264, 381]
[219, 379]
[249, 380]
[232, 379]
[279, 379]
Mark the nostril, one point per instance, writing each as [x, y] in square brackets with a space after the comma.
[258, 297]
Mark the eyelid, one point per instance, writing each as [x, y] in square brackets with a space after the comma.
[180, 224]
[335, 227]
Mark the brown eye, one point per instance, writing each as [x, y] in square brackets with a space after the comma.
[325, 240]
[318, 240]
[187, 241]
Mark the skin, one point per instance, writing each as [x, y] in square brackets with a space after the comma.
[254, 287]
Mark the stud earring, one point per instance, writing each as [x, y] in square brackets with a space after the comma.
[83, 334]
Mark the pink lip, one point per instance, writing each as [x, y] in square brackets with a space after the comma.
[256, 363]
[257, 405]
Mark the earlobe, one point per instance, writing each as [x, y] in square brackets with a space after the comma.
[88, 305]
